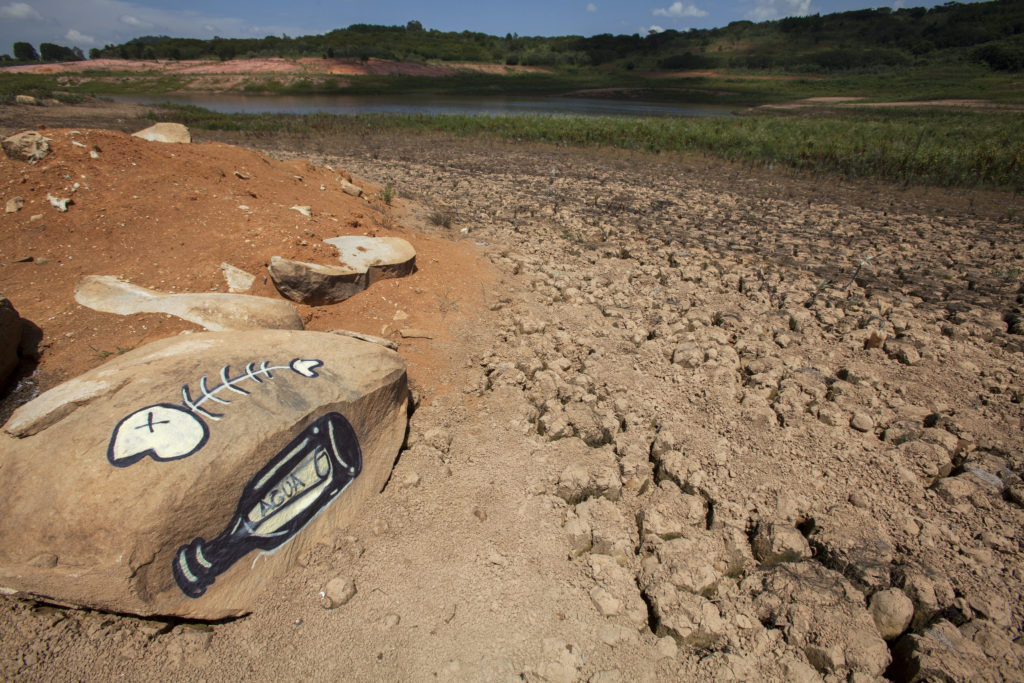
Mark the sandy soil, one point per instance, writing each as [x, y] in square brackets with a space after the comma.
[681, 419]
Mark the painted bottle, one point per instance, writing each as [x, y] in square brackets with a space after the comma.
[289, 492]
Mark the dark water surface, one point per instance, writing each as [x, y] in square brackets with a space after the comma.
[429, 104]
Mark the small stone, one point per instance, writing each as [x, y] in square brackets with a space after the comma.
[306, 211]
[862, 422]
[15, 204]
[379, 527]
[410, 480]
[238, 280]
[391, 620]
[337, 592]
[349, 188]
[59, 203]
[607, 604]
[892, 611]
[776, 542]
[29, 146]
[860, 499]
[667, 648]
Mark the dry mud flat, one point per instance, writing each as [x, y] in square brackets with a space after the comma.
[715, 423]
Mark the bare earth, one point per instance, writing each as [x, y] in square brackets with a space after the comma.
[678, 419]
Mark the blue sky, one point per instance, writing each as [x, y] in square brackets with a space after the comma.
[94, 23]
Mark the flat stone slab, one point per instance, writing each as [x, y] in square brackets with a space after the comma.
[165, 132]
[184, 477]
[215, 311]
[363, 261]
[379, 257]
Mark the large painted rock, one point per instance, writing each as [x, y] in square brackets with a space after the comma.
[184, 477]
[215, 311]
[363, 261]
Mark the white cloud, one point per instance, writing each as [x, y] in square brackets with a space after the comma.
[78, 38]
[135, 21]
[678, 10]
[654, 28]
[765, 10]
[19, 10]
[899, 4]
[591, 7]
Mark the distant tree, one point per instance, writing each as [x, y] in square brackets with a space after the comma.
[1000, 57]
[51, 52]
[414, 27]
[24, 52]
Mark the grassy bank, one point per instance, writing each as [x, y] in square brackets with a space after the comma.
[952, 149]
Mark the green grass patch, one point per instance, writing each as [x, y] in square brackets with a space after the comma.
[919, 146]
[37, 85]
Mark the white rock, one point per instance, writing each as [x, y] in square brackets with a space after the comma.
[165, 132]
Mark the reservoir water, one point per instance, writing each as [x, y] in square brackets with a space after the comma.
[429, 104]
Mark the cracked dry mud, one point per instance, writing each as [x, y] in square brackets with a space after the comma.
[714, 423]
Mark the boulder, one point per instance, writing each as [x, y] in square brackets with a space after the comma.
[14, 205]
[25, 99]
[165, 132]
[185, 477]
[313, 284]
[216, 312]
[28, 146]
[10, 337]
[364, 261]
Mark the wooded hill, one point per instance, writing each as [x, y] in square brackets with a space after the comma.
[864, 40]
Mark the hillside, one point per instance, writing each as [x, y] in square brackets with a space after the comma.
[989, 32]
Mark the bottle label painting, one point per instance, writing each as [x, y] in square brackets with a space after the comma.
[289, 492]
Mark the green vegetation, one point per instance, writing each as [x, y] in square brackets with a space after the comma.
[988, 33]
[37, 85]
[920, 146]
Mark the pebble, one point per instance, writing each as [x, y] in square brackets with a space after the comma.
[337, 592]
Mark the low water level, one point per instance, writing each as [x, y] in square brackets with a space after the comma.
[429, 104]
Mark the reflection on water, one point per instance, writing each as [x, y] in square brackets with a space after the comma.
[426, 104]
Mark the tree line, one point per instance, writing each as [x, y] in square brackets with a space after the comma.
[873, 39]
[48, 52]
